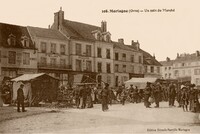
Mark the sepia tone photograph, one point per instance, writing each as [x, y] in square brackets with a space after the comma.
[100, 66]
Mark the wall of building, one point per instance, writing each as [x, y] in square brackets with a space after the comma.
[156, 73]
[106, 77]
[12, 70]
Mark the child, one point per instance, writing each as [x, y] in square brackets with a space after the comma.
[185, 99]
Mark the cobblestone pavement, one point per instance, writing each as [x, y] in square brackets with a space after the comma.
[130, 118]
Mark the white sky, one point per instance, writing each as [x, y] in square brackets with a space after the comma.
[164, 34]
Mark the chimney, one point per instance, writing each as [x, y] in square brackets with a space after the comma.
[104, 26]
[121, 41]
[49, 26]
[154, 56]
[58, 18]
[197, 53]
[177, 55]
[167, 59]
[136, 45]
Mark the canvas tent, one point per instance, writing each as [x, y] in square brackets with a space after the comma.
[139, 82]
[37, 87]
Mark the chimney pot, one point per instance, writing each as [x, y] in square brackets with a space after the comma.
[121, 41]
[197, 53]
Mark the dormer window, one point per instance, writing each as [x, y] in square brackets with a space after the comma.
[11, 40]
[108, 38]
[98, 36]
[25, 41]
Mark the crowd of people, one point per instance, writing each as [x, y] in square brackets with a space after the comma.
[186, 95]
[86, 95]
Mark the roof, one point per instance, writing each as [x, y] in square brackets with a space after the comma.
[46, 33]
[148, 59]
[28, 77]
[187, 57]
[80, 30]
[167, 63]
[122, 46]
[17, 31]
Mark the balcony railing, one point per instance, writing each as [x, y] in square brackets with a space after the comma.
[54, 66]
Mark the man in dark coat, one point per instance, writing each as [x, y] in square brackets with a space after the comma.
[105, 95]
[157, 94]
[83, 94]
[20, 98]
[172, 94]
[147, 94]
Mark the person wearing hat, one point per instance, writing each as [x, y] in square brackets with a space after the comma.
[172, 94]
[20, 98]
[147, 94]
[104, 96]
[193, 98]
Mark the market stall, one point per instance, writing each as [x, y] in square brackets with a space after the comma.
[37, 87]
[139, 82]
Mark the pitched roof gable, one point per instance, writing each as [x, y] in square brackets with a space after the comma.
[46, 33]
[80, 30]
[17, 31]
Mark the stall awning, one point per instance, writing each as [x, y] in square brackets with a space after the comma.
[29, 77]
[139, 82]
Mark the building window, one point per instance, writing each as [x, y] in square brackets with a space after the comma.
[116, 56]
[133, 69]
[88, 50]
[132, 58]
[53, 62]
[124, 68]
[43, 60]
[169, 68]
[99, 52]
[98, 36]
[182, 64]
[99, 65]
[26, 58]
[12, 57]
[78, 49]
[53, 48]
[108, 53]
[62, 62]
[116, 68]
[152, 69]
[62, 49]
[108, 38]
[146, 69]
[12, 40]
[26, 43]
[176, 73]
[124, 57]
[88, 66]
[165, 75]
[158, 70]
[165, 68]
[140, 59]
[78, 65]
[43, 47]
[169, 75]
[108, 68]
